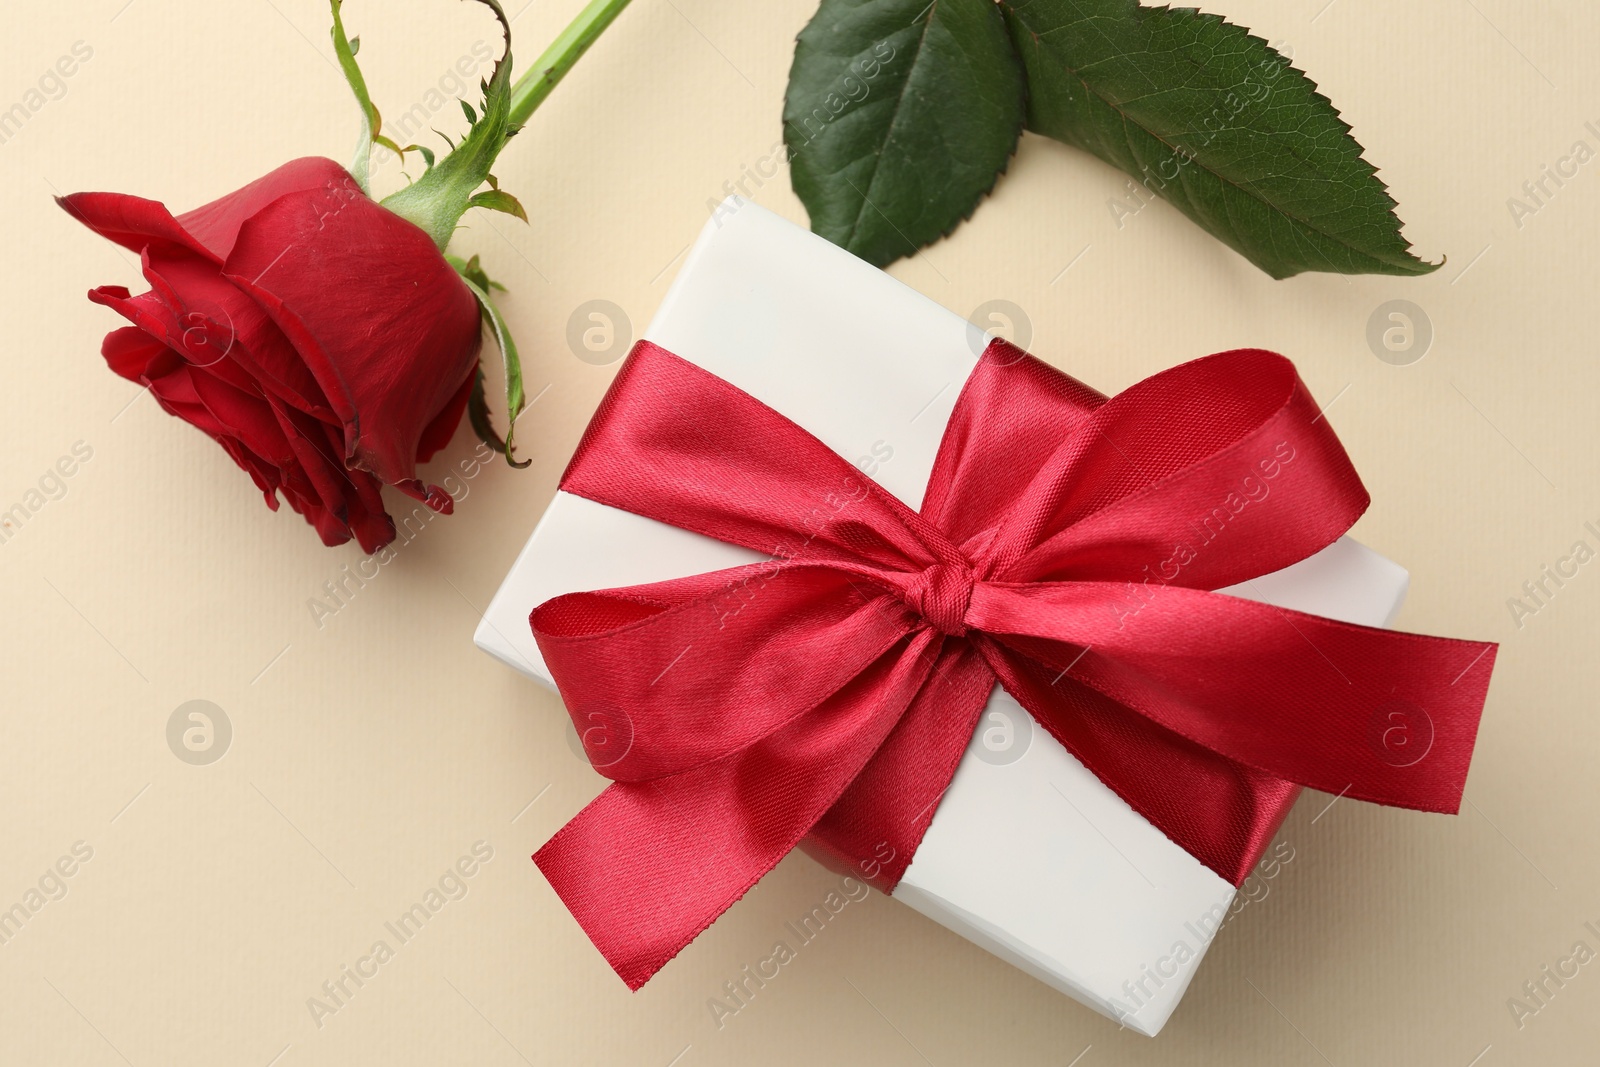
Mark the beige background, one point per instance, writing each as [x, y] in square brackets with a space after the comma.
[370, 752]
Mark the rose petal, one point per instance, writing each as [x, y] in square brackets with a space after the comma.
[248, 417]
[216, 225]
[131, 352]
[131, 221]
[220, 321]
[442, 428]
[391, 341]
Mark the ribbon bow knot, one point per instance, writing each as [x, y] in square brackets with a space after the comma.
[940, 594]
[1073, 543]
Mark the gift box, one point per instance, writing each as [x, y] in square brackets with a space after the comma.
[1029, 854]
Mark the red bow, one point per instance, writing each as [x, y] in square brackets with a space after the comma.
[1065, 547]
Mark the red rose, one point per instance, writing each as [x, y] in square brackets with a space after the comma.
[317, 336]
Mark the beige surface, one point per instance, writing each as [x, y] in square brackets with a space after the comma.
[370, 752]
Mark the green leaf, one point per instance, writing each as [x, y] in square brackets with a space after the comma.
[470, 269]
[437, 200]
[427, 153]
[499, 200]
[899, 117]
[345, 49]
[476, 280]
[1217, 122]
[482, 421]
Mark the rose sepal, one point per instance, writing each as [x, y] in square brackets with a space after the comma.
[478, 280]
[437, 200]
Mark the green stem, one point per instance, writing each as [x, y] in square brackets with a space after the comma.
[547, 71]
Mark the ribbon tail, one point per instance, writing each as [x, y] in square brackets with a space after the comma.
[1218, 811]
[1373, 714]
[650, 864]
[875, 827]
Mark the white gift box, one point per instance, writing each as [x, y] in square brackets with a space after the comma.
[1029, 855]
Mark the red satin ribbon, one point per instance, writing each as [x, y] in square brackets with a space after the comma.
[1066, 546]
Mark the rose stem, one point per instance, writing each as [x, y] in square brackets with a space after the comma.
[547, 71]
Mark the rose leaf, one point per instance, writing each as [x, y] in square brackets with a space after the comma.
[1217, 122]
[899, 117]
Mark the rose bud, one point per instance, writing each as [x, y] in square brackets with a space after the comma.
[325, 339]
[321, 339]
